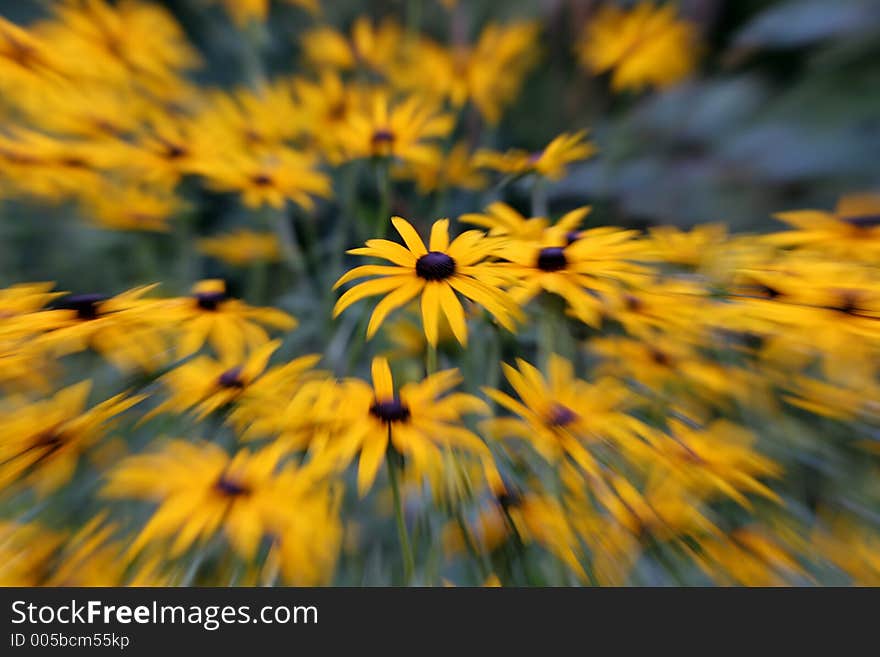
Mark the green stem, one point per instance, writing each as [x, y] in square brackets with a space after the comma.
[539, 198]
[431, 360]
[293, 257]
[383, 184]
[408, 559]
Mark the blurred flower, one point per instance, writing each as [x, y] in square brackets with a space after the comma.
[415, 422]
[455, 170]
[435, 275]
[269, 178]
[242, 247]
[244, 11]
[231, 326]
[43, 440]
[371, 46]
[748, 557]
[647, 45]
[202, 491]
[401, 130]
[580, 272]
[560, 416]
[550, 162]
[502, 220]
[851, 231]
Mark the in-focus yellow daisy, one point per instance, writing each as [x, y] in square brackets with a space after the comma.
[230, 325]
[647, 45]
[550, 162]
[43, 440]
[416, 422]
[202, 491]
[242, 247]
[435, 275]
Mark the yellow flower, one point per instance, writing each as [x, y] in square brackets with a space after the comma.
[242, 247]
[372, 46]
[125, 329]
[695, 248]
[113, 42]
[852, 231]
[489, 73]
[26, 552]
[208, 385]
[231, 326]
[415, 422]
[562, 415]
[435, 275]
[268, 178]
[43, 440]
[748, 557]
[719, 458]
[131, 206]
[502, 220]
[324, 107]
[202, 491]
[550, 162]
[250, 120]
[455, 170]
[595, 264]
[644, 46]
[850, 546]
[401, 130]
[245, 11]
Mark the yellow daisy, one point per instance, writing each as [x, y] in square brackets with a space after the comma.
[435, 275]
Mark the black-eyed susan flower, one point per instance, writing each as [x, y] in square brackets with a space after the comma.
[749, 556]
[230, 325]
[405, 130]
[242, 247]
[551, 162]
[207, 385]
[435, 274]
[202, 491]
[502, 220]
[126, 329]
[456, 169]
[489, 73]
[597, 263]
[562, 416]
[44, 440]
[268, 178]
[852, 230]
[646, 46]
[373, 46]
[416, 422]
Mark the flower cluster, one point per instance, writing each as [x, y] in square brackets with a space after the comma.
[534, 399]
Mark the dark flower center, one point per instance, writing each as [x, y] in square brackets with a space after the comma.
[382, 137]
[87, 306]
[509, 498]
[231, 488]
[660, 357]
[435, 266]
[392, 410]
[174, 151]
[561, 416]
[552, 258]
[572, 236]
[231, 378]
[849, 303]
[210, 300]
[865, 221]
[262, 180]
